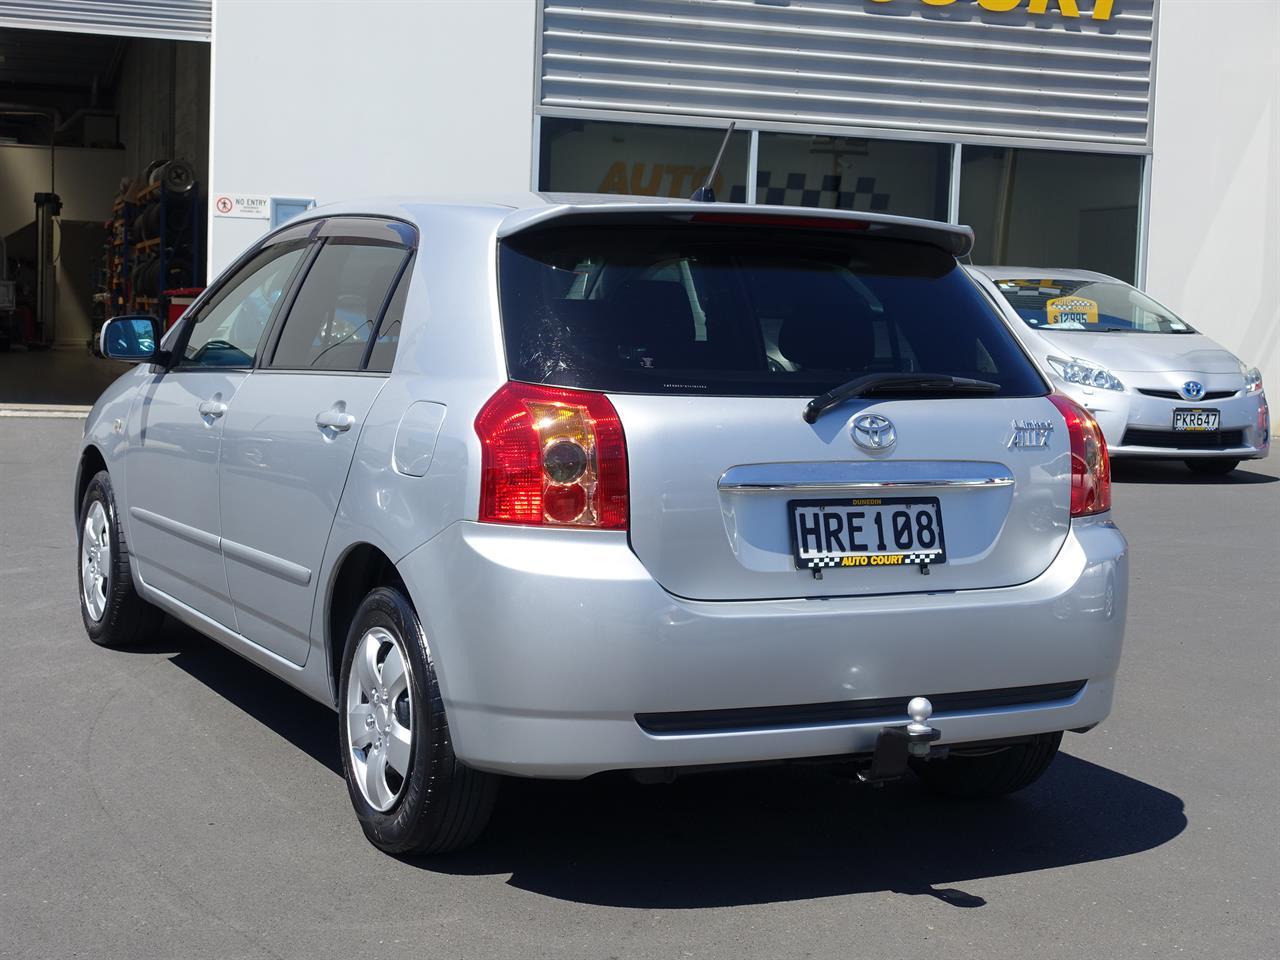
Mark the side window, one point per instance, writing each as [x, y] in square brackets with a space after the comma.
[336, 312]
[229, 329]
[384, 348]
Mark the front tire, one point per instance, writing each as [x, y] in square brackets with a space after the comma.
[410, 793]
[993, 774]
[113, 613]
[1212, 466]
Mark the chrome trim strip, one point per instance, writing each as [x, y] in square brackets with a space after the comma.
[836, 476]
[863, 485]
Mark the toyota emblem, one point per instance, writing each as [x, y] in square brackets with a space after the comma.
[1193, 389]
[873, 432]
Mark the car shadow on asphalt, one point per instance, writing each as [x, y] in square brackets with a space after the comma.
[795, 833]
[745, 836]
[1176, 472]
[310, 726]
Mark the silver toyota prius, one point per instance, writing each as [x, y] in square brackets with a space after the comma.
[1157, 388]
[556, 485]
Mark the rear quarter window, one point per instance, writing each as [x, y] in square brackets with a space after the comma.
[737, 311]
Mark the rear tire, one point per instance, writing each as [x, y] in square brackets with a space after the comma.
[1212, 466]
[991, 775]
[113, 613]
[391, 716]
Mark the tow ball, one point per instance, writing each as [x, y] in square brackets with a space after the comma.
[896, 745]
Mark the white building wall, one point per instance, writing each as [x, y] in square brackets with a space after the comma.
[1214, 249]
[335, 101]
[341, 100]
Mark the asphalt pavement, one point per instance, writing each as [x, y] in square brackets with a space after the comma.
[177, 802]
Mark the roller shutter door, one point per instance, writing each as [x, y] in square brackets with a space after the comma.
[167, 19]
[953, 70]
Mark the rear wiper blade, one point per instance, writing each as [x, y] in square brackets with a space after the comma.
[871, 382]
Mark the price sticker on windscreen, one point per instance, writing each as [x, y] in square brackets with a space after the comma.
[1071, 311]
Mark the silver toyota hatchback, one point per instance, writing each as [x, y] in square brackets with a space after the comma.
[553, 486]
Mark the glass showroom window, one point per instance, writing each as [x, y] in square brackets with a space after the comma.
[596, 156]
[854, 173]
[1046, 208]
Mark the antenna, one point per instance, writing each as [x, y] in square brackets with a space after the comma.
[705, 193]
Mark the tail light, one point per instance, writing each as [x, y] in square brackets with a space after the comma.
[1090, 464]
[552, 456]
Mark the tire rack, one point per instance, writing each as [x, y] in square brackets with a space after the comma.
[167, 246]
[119, 252]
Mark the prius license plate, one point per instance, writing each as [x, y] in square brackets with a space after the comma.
[864, 532]
[1194, 420]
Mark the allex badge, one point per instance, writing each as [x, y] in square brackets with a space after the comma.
[1030, 433]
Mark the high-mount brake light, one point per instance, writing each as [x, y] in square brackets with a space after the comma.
[1090, 463]
[551, 456]
[780, 220]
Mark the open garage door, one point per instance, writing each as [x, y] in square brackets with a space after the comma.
[159, 19]
[104, 154]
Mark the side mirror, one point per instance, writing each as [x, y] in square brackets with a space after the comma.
[134, 338]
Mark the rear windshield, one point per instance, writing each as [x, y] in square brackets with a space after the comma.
[1095, 306]
[734, 311]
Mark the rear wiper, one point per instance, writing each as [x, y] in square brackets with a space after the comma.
[873, 382]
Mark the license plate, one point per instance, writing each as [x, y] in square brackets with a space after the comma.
[865, 532]
[1194, 420]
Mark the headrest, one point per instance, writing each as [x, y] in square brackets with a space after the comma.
[655, 310]
[825, 336]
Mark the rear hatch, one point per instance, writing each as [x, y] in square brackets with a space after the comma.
[711, 333]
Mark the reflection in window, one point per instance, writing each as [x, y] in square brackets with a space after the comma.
[594, 156]
[332, 320]
[1088, 304]
[230, 328]
[854, 173]
[384, 348]
[1046, 208]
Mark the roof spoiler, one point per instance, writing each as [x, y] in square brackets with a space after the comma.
[955, 240]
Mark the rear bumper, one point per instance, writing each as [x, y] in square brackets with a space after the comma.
[549, 644]
[1131, 421]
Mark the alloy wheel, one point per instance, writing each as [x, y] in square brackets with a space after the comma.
[95, 560]
[379, 718]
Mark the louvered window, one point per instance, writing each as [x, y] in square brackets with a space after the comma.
[167, 19]
[957, 70]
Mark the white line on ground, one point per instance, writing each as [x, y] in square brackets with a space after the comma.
[44, 414]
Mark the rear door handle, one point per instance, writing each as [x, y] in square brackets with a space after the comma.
[335, 419]
[212, 409]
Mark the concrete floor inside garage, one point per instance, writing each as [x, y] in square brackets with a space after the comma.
[34, 378]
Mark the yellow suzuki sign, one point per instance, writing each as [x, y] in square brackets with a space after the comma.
[1101, 9]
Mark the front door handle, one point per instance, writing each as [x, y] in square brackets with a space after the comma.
[336, 419]
[212, 409]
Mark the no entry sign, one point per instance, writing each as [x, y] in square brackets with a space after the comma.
[242, 205]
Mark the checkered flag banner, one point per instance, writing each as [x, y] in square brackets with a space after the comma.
[927, 556]
[922, 556]
[825, 190]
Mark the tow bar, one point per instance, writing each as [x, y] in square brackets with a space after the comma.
[896, 745]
